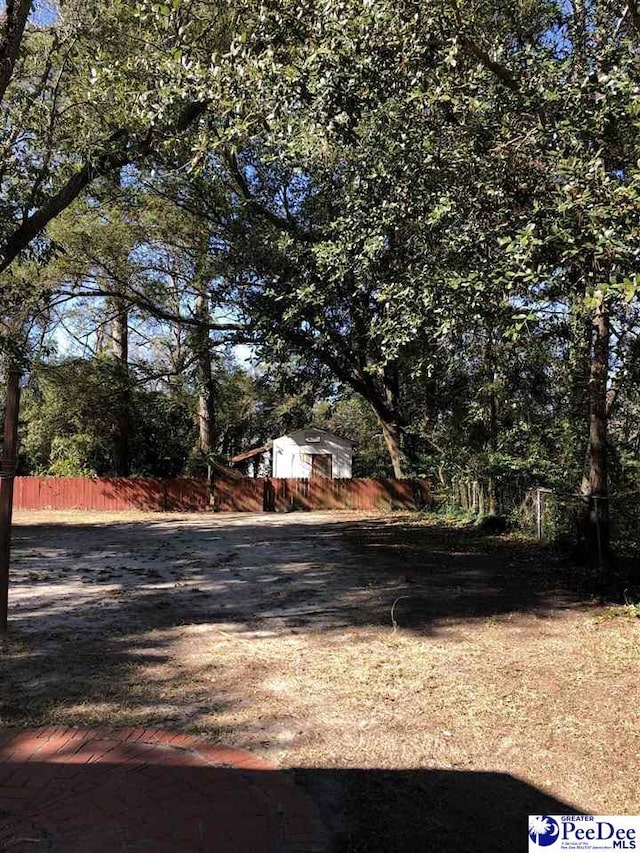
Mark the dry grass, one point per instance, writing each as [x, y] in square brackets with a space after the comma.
[274, 634]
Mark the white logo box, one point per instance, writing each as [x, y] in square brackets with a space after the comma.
[583, 832]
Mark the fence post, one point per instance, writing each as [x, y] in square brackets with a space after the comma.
[538, 514]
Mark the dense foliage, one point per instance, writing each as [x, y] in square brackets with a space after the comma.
[422, 219]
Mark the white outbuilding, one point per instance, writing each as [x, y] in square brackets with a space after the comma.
[312, 452]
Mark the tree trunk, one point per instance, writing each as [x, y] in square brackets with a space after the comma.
[206, 384]
[120, 351]
[7, 472]
[595, 520]
[120, 331]
[492, 496]
[205, 421]
[579, 365]
[481, 499]
[392, 431]
[390, 419]
[491, 379]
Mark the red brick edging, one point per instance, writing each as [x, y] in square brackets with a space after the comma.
[95, 790]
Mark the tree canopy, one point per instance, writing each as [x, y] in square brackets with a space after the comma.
[426, 215]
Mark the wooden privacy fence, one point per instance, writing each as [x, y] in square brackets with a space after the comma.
[116, 493]
[270, 494]
[230, 494]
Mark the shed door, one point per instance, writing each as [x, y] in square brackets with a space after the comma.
[321, 465]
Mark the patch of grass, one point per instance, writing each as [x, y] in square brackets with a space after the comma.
[630, 610]
[449, 514]
[631, 606]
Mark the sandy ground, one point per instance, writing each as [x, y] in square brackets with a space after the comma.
[276, 633]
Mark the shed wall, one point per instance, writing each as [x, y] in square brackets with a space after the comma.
[290, 455]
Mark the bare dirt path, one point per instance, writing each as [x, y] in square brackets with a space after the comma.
[274, 633]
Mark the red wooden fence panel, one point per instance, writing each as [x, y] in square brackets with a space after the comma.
[184, 495]
[112, 494]
[272, 494]
[242, 494]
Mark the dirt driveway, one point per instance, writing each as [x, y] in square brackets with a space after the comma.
[275, 633]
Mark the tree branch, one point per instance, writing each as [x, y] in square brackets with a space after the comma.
[506, 77]
[116, 151]
[135, 299]
[634, 14]
[13, 23]
[284, 224]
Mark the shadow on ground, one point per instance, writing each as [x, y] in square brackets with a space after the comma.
[85, 597]
[426, 810]
[71, 808]
[331, 574]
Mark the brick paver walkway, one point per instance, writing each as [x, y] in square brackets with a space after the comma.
[92, 791]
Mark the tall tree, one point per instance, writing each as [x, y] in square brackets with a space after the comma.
[574, 74]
